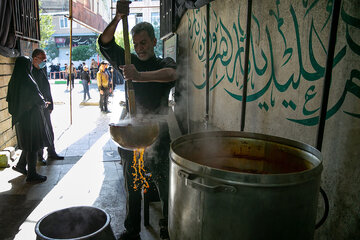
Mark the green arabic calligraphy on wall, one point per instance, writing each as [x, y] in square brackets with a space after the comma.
[227, 43]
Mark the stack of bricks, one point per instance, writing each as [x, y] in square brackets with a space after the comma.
[7, 133]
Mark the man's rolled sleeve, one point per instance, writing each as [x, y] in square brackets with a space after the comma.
[168, 62]
[112, 52]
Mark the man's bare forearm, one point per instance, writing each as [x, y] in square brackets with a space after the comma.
[161, 75]
[122, 10]
[109, 31]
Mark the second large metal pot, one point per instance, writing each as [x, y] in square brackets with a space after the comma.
[236, 185]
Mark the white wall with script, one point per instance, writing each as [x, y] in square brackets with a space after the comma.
[288, 51]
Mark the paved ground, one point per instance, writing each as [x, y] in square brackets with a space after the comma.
[91, 173]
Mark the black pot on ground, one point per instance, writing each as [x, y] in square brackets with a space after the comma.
[75, 223]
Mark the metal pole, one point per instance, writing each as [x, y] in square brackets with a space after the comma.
[70, 66]
[246, 65]
[328, 72]
[207, 66]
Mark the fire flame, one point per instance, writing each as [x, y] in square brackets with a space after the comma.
[139, 173]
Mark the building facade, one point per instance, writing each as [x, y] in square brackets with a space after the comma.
[82, 32]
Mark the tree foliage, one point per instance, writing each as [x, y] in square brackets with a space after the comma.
[119, 39]
[52, 51]
[84, 52]
[46, 28]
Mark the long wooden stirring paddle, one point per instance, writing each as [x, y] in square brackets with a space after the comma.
[129, 88]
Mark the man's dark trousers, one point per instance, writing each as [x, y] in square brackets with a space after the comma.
[158, 166]
[104, 98]
[51, 149]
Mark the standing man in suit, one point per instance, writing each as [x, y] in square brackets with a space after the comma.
[40, 75]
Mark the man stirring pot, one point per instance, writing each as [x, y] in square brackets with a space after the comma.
[152, 79]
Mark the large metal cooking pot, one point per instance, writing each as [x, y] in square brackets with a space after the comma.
[237, 185]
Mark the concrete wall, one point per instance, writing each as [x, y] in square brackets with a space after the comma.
[288, 50]
[7, 134]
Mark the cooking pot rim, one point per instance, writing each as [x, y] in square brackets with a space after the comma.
[244, 178]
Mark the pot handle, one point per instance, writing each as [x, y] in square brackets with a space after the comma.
[189, 181]
[326, 211]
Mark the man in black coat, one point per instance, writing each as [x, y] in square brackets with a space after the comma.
[40, 76]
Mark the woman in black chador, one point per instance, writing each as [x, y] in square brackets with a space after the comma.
[26, 105]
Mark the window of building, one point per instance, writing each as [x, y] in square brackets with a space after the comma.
[155, 18]
[138, 17]
[64, 22]
[19, 20]
[26, 19]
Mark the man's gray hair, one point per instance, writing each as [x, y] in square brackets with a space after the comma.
[143, 26]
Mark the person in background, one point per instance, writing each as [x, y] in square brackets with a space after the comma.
[73, 72]
[39, 73]
[84, 64]
[116, 77]
[65, 75]
[93, 68]
[85, 80]
[104, 87]
[109, 72]
[79, 70]
[112, 77]
[57, 70]
[26, 105]
[52, 71]
[152, 79]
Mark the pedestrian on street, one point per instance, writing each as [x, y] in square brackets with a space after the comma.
[57, 70]
[85, 80]
[70, 77]
[93, 68]
[152, 79]
[79, 70]
[110, 72]
[26, 105]
[103, 86]
[64, 74]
